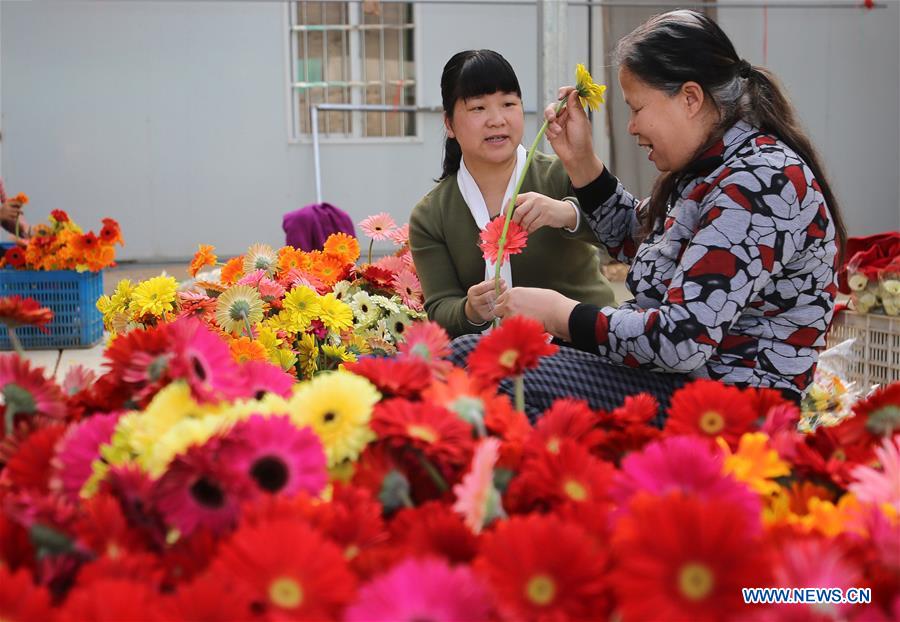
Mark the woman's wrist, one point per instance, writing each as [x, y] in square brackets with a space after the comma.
[559, 319]
[583, 171]
[471, 317]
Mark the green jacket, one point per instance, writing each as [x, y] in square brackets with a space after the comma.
[443, 237]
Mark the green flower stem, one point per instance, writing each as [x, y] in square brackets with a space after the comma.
[501, 244]
[247, 326]
[371, 242]
[10, 416]
[519, 392]
[436, 477]
[17, 345]
[17, 226]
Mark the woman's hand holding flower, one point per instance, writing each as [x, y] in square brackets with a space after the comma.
[534, 210]
[545, 305]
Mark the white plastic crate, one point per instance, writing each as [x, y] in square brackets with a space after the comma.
[876, 352]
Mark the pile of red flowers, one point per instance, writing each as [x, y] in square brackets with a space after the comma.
[181, 485]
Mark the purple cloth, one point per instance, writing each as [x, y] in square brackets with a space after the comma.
[307, 228]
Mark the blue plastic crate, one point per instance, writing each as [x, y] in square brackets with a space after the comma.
[71, 295]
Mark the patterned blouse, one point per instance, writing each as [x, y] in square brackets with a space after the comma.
[737, 283]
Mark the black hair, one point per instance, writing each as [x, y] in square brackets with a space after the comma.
[468, 74]
[686, 46]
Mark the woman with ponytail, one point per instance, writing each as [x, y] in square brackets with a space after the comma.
[483, 158]
[733, 256]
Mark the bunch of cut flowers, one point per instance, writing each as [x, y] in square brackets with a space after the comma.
[183, 485]
[61, 244]
[304, 311]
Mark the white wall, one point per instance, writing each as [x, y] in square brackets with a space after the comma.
[171, 116]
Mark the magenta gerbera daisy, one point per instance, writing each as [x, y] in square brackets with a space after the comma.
[26, 391]
[199, 490]
[422, 589]
[261, 377]
[77, 451]
[275, 454]
[685, 464]
[204, 361]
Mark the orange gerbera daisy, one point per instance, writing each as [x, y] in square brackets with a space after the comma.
[344, 247]
[203, 257]
[329, 269]
[233, 270]
[18, 311]
[290, 257]
[245, 349]
[111, 233]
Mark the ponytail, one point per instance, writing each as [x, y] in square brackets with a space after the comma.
[452, 158]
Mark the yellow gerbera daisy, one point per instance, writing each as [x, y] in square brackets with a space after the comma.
[260, 257]
[154, 296]
[177, 439]
[307, 355]
[335, 355]
[237, 307]
[336, 315]
[754, 463]
[338, 407]
[302, 305]
[589, 93]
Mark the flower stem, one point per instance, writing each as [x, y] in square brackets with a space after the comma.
[519, 392]
[17, 227]
[501, 244]
[247, 326]
[436, 477]
[10, 416]
[371, 242]
[17, 345]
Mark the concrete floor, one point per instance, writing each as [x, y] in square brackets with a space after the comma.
[92, 358]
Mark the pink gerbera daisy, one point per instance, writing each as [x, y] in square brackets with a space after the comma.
[408, 287]
[516, 239]
[77, 379]
[26, 391]
[476, 498]
[429, 342]
[378, 226]
[279, 457]
[400, 235]
[77, 451]
[261, 377]
[391, 263]
[880, 485]
[422, 589]
[268, 289]
[199, 490]
[682, 463]
[203, 359]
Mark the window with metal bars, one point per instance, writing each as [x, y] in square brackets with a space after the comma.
[352, 53]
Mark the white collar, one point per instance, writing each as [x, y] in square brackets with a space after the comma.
[472, 196]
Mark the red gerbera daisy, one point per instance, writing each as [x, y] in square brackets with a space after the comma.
[85, 243]
[102, 528]
[764, 399]
[111, 233]
[540, 567]
[710, 409]
[140, 358]
[489, 239]
[17, 311]
[430, 529]
[566, 418]
[294, 572]
[14, 257]
[679, 557]
[209, 598]
[551, 479]
[881, 410]
[109, 600]
[379, 277]
[30, 467]
[59, 215]
[440, 436]
[827, 453]
[625, 429]
[15, 545]
[20, 599]
[402, 376]
[509, 350]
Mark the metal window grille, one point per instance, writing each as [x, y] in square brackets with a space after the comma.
[358, 52]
